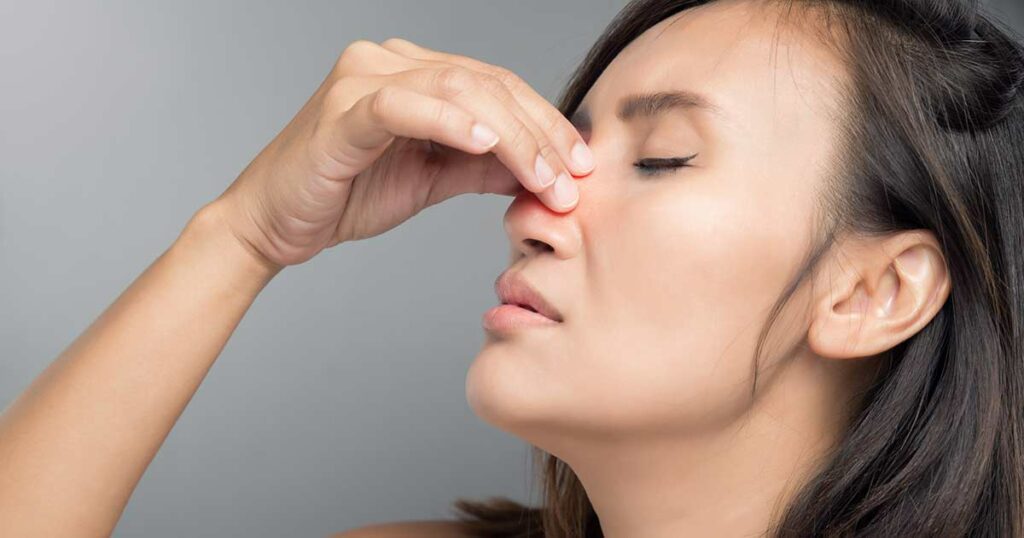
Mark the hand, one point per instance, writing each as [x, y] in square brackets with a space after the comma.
[395, 128]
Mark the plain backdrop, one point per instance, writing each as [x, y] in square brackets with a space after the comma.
[339, 401]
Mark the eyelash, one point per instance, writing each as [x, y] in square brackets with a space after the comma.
[658, 166]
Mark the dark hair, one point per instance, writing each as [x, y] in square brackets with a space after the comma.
[933, 139]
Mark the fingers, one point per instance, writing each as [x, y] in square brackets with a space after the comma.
[354, 139]
[465, 173]
[571, 147]
[347, 143]
[523, 147]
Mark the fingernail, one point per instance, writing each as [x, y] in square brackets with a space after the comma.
[545, 174]
[483, 136]
[566, 191]
[582, 157]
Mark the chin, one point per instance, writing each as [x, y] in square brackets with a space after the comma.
[506, 387]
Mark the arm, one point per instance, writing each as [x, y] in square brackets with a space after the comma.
[75, 443]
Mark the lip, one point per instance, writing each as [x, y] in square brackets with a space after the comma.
[509, 317]
[514, 291]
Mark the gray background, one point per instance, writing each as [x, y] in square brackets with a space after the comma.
[339, 401]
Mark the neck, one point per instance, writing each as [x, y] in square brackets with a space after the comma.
[734, 481]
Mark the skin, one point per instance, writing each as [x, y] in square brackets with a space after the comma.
[668, 447]
[644, 389]
[387, 133]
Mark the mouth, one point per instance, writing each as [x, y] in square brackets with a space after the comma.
[531, 311]
[510, 317]
[526, 306]
[514, 290]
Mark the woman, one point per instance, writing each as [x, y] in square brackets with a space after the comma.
[771, 276]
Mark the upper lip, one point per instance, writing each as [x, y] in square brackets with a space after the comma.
[512, 288]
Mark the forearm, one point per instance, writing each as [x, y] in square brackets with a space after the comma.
[74, 444]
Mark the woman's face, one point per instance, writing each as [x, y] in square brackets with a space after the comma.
[664, 281]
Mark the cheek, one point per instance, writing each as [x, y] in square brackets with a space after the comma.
[675, 291]
[679, 289]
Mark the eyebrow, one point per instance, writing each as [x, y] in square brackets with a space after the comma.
[652, 104]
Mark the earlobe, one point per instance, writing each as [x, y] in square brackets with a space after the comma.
[878, 301]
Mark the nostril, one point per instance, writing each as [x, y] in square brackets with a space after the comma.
[538, 245]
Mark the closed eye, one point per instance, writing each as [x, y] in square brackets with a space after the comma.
[661, 165]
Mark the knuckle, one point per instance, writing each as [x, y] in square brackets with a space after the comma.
[557, 127]
[561, 130]
[382, 101]
[553, 122]
[519, 137]
[493, 85]
[545, 148]
[355, 52]
[454, 80]
[394, 42]
[507, 77]
[446, 114]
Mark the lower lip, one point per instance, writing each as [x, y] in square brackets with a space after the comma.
[509, 317]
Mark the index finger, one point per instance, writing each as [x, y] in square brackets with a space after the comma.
[571, 147]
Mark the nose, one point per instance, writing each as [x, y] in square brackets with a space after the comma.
[534, 229]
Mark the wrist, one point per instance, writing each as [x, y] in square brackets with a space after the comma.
[208, 228]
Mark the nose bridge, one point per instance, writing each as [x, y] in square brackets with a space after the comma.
[534, 229]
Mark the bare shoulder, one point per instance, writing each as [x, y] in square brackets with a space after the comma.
[440, 528]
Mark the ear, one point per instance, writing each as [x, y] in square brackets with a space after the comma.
[882, 292]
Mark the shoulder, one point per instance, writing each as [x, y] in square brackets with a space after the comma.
[411, 529]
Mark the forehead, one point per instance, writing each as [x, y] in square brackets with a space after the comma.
[743, 55]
